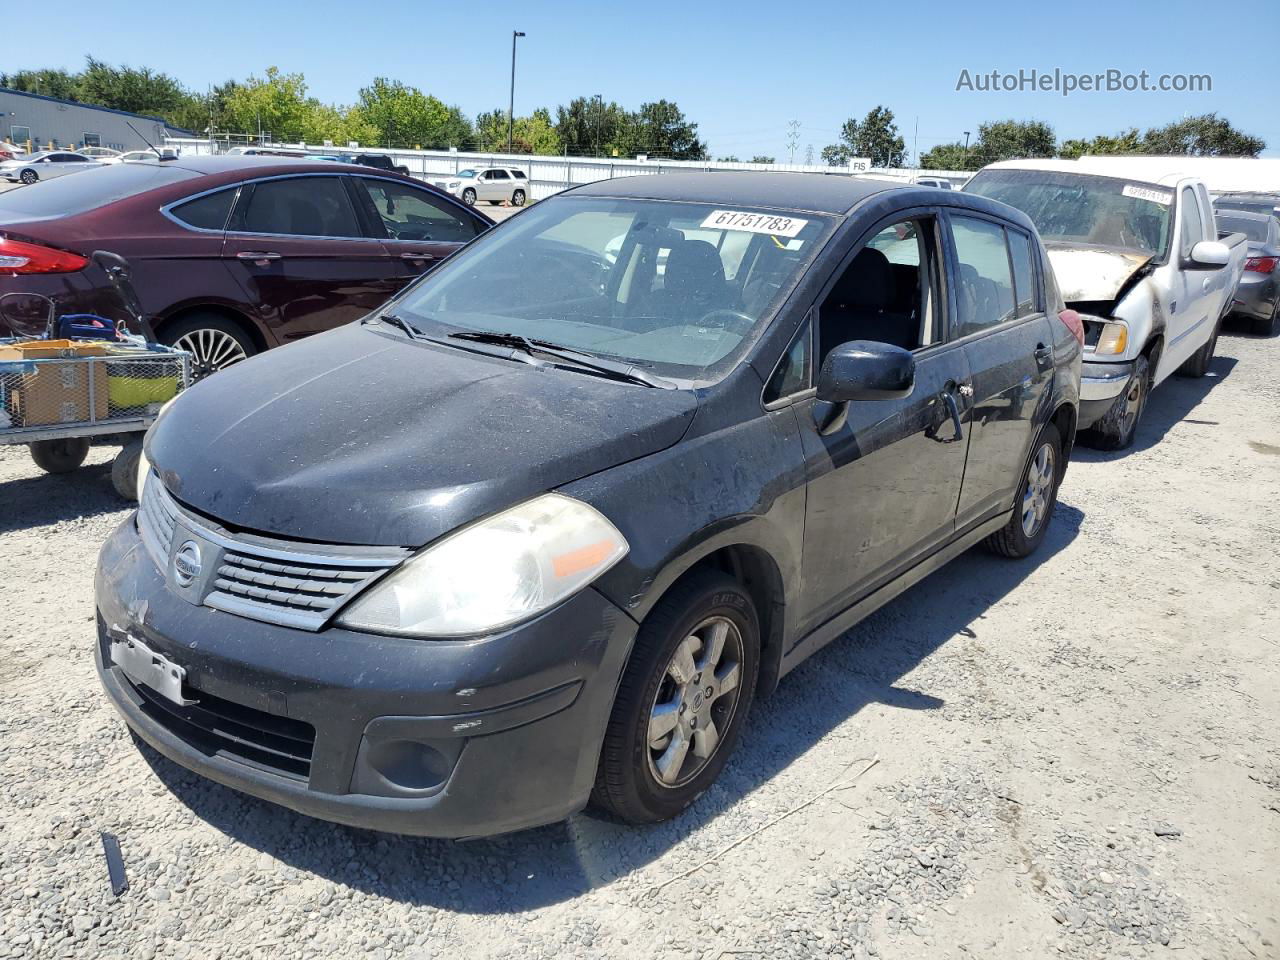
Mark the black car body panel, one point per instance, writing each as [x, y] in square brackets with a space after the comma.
[365, 436]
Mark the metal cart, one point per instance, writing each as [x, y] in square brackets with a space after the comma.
[56, 396]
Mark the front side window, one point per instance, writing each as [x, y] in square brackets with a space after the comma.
[985, 287]
[409, 214]
[1192, 225]
[301, 206]
[885, 293]
[638, 280]
[209, 212]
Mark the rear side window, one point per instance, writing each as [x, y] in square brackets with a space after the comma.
[519, 174]
[985, 285]
[303, 207]
[209, 212]
[1024, 273]
[67, 196]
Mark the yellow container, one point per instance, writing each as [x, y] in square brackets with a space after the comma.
[126, 392]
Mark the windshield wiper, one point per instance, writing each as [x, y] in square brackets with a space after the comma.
[613, 369]
[397, 321]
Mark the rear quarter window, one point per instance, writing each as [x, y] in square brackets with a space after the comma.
[67, 196]
[209, 212]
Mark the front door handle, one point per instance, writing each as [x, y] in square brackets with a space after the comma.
[953, 410]
[1044, 357]
[259, 256]
[417, 256]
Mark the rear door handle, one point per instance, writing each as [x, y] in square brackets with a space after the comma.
[1044, 357]
[417, 256]
[259, 256]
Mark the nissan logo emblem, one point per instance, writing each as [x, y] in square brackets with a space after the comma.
[186, 563]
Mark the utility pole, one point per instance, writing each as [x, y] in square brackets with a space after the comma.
[511, 106]
[915, 143]
[966, 141]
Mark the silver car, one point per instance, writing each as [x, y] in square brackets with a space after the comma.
[1257, 296]
[495, 184]
[47, 164]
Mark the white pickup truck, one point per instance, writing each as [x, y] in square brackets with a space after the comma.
[1143, 263]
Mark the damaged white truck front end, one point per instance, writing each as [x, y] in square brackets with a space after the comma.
[1144, 266]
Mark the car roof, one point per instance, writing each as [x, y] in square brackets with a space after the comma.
[816, 193]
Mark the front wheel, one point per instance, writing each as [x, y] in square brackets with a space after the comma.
[1037, 494]
[682, 702]
[1119, 426]
[28, 177]
[469, 197]
[517, 198]
[124, 469]
[59, 456]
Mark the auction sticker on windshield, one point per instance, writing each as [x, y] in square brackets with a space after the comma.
[754, 223]
[1143, 193]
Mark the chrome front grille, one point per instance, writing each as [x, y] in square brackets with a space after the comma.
[263, 578]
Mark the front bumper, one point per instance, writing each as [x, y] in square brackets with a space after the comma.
[425, 737]
[1100, 384]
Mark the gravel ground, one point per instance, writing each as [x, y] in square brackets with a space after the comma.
[1077, 756]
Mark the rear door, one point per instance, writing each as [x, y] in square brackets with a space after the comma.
[497, 185]
[298, 249]
[418, 228]
[1001, 322]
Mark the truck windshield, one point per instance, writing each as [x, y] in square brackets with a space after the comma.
[682, 288]
[1076, 208]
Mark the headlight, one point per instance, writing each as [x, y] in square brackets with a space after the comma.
[454, 184]
[495, 573]
[1113, 339]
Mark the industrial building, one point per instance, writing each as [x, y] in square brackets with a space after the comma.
[36, 122]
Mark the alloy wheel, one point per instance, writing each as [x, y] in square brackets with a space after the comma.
[1040, 478]
[1133, 400]
[695, 701]
[211, 350]
[28, 177]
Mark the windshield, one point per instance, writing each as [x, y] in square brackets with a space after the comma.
[1074, 208]
[465, 174]
[677, 287]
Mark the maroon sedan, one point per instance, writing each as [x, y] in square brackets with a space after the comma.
[230, 255]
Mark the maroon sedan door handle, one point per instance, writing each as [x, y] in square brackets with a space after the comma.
[260, 257]
[417, 256]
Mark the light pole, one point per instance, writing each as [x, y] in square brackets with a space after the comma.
[511, 106]
[966, 141]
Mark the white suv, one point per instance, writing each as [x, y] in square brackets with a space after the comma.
[495, 184]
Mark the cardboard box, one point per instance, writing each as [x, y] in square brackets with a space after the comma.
[58, 392]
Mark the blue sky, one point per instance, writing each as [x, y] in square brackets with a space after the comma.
[741, 70]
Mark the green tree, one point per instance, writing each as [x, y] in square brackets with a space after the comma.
[276, 103]
[1013, 139]
[875, 137]
[1126, 142]
[49, 83]
[134, 89]
[729, 159]
[403, 115]
[588, 127]
[760, 158]
[661, 130]
[1207, 135]
[532, 134]
[949, 156]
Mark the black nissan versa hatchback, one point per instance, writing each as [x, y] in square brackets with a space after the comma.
[538, 531]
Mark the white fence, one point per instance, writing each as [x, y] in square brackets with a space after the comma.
[550, 175]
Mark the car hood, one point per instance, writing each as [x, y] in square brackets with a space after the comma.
[364, 437]
[1087, 271]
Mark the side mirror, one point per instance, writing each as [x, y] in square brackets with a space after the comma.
[1208, 254]
[866, 370]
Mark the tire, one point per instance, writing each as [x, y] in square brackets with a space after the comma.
[1037, 495]
[60, 456]
[1269, 326]
[213, 341]
[1197, 365]
[1119, 425]
[517, 198]
[629, 780]
[28, 177]
[469, 197]
[124, 470]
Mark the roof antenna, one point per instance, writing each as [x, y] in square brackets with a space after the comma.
[158, 154]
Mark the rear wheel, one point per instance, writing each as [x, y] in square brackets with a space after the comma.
[1037, 494]
[1197, 365]
[60, 456]
[28, 177]
[1118, 427]
[682, 702]
[213, 341]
